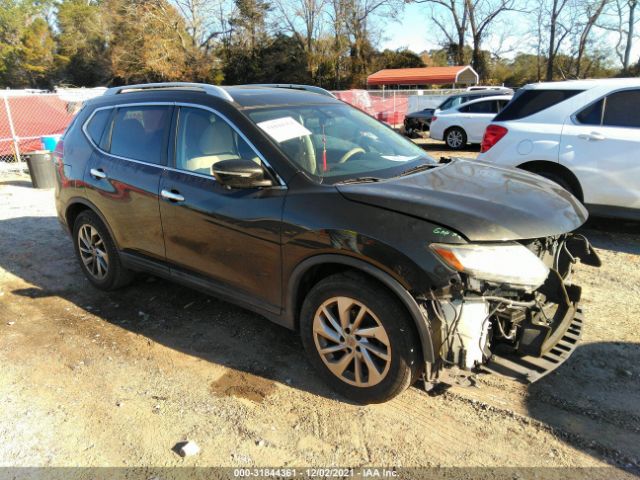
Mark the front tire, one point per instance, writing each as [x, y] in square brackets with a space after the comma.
[97, 253]
[359, 339]
[455, 138]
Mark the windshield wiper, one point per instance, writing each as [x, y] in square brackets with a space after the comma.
[417, 168]
[359, 180]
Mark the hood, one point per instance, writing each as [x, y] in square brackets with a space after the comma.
[480, 201]
[426, 113]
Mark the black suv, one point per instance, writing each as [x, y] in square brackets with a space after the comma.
[297, 206]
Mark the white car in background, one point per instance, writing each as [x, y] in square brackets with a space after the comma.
[582, 134]
[466, 123]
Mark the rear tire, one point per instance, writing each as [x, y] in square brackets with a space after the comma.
[455, 138]
[370, 353]
[97, 253]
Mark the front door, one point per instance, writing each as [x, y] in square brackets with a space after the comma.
[230, 237]
[123, 176]
[601, 145]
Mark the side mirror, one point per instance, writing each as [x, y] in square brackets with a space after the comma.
[240, 173]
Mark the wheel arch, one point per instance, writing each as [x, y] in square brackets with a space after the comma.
[78, 205]
[536, 166]
[312, 270]
[455, 125]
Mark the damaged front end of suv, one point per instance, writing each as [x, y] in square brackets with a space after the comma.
[514, 310]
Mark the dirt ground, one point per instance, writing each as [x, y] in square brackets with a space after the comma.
[89, 378]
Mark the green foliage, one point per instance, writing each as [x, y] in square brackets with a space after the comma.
[26, 46]
[103, 42]
[83, 57]
[528, 68]
[282, 60]
[397, 59]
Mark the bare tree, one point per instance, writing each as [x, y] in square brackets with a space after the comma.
[304, 20]
[205, 21]
[558, 31]
[632, 4]
[457, 11]
[624, 13]
[591, 13]
[356, 18]
[482, 15]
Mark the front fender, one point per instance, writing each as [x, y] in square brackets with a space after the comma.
[419, 319]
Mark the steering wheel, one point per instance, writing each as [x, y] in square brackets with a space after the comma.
[350, 154]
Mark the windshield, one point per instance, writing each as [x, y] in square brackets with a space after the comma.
[334, 143]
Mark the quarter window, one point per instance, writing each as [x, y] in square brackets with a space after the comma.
[621, 109]
[96, 125]
[204, 139]
[140, 133]
[592, 115]
[481, 107]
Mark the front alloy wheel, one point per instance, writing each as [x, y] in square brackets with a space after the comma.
[352, 342]
[93, 252]
[359, 338]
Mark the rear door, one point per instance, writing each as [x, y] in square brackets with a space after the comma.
[123, 175]
[601, 145]
[229, 238]
[476, 117]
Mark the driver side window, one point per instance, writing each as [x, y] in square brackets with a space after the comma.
[204, 138]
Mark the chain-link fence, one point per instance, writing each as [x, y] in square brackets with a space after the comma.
[391, 106]
[27, 116]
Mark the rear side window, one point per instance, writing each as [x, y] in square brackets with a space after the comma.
[96, 125]
[140, 133]
[528, 102]
[622, 109]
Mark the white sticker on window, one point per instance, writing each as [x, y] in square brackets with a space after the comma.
[283, 129]
[399, 158]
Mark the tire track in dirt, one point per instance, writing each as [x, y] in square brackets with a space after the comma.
[582, 432]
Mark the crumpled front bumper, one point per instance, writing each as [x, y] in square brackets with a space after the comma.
[560, 343]
[529, 369]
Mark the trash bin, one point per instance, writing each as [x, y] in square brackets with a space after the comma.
[41, 169]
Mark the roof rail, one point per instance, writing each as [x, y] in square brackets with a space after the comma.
[308, 88]
[214, 90]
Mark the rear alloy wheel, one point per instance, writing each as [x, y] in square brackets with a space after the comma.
[359, 338]
[97, 253]
[93, 252]
[456, 138]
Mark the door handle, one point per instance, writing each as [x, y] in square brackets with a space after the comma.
[171, 196]
[97, 173]
[592, 136]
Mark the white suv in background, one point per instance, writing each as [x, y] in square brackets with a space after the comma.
[466, 123]
[582, 134]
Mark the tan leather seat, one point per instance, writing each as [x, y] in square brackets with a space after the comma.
[216, 143]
